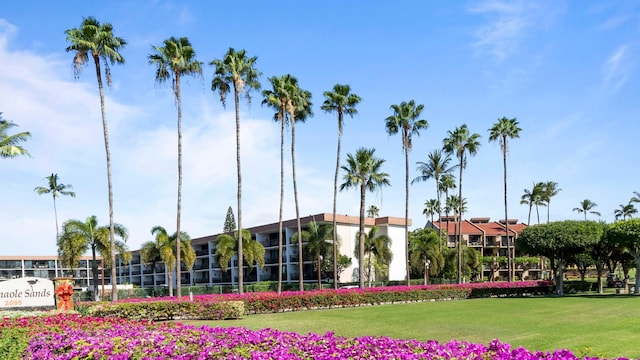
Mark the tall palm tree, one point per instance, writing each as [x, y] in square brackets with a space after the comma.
[78, 236]
[461, 142]
[341, 101]
[586, 206]
[447, 182]
[377, 247]
[164, 249]
[9, 144]
[431, 207]
[363, 171]
[299, 109]
[372, 212]
[236, 70]
[501, 131]
[318, 237]
[533, 197]
[551, 189]
[227, 246]
[97, 41]
[436, 166]
[425, 247]
[405, 120]
[55, 189]
[175, 59]
[277, 99]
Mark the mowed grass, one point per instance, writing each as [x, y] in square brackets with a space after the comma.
[604, 326]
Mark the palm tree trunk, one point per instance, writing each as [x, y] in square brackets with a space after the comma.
[319, 272]
[506, 216]
[529, 217]
[112, 243]
[240, 250]
[459, 221]
[335, 196]
[55, 213]
[179, 207]
[94, 270]
[295, 197]
[363, 193]
[369, 269]
[439, 214]
[406, 213]
[281, 202]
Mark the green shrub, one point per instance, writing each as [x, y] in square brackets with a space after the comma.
[13, 342]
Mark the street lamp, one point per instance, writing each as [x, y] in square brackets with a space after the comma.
[426, 271]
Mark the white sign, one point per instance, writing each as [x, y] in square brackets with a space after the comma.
[26, 292]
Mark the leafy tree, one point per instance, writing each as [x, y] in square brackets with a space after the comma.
[343, 262]
[586, 206]
[471, 262]
[236, 70]
[318, 237]
[501, 131]
[583, 262]
[405, 120]
[227, 246]
[626, 233]
[533, 197]
[461, 142]
[425, 245]
[79, 236]
[229, 221]
[559, 242]
[377, 250]
[551, 189]
[55, 189]
[340, 101]
[435, 167]
[601, 252]
[363, 171]
[164, 249]
[9, 144]
[175, 59]
[97, 41]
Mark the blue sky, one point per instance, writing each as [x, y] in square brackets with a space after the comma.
[567, 70]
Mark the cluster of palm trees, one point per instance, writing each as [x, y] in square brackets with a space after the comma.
[539, 195]
[627, 210]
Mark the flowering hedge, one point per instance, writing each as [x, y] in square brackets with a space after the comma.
[74, 337]
[219, 306]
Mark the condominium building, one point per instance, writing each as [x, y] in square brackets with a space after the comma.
[49, 267]
[490, 239]
[207, 272]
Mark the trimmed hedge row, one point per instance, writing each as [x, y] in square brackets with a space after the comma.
[169, 310]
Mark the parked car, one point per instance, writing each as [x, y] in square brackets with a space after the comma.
[614, 281]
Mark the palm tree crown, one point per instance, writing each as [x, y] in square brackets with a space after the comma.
[377, 249]
[340, 101]
[97, 41]
[585, 207]
[9, 144]
[551, 189]
[364, 171]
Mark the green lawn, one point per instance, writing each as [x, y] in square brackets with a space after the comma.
[605, 326]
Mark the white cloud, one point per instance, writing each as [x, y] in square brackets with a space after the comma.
[616, 69]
